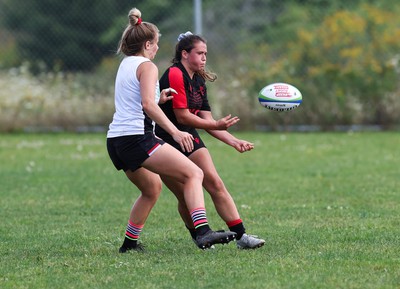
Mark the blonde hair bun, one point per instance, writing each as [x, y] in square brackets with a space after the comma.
[134, 16]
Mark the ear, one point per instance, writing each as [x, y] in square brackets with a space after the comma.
[147, 45]
[184, 54]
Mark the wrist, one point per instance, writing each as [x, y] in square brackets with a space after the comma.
[174, 132]
[214, 125]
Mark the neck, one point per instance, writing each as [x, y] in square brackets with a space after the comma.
[143, 54]
[189, 71]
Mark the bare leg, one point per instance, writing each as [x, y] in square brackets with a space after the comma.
[169, 162]
[223, 201]
[150, 186]
[177, 189]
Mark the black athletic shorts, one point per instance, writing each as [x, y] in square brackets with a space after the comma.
[198, 142]
[129, 152]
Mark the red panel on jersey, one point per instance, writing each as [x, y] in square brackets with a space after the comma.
[176, 82]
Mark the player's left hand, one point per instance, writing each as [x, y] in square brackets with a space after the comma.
[243, 146]
[166, 94]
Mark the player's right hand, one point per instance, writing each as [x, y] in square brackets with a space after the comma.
[185, 140]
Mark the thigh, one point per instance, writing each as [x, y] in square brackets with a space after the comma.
[169, 162]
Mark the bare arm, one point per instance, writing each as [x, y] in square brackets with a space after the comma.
[184, 116]
[226, 137]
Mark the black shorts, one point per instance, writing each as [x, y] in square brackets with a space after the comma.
[129, 152]
[198, 142]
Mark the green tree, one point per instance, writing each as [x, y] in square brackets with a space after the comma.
[62, 34]
[76, 35]
[347, 66]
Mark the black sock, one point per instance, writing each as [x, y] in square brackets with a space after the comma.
[128, 243]
[192, 232]
[202, 230]
[238, 229]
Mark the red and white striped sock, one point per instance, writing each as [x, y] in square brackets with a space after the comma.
[132, 234]
[199, 219]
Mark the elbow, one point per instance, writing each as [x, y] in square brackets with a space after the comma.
[181, 120]
[147, 106]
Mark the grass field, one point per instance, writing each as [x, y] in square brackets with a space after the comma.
[327, 204]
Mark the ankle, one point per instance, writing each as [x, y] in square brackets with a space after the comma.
[202, 230]
[129, 243]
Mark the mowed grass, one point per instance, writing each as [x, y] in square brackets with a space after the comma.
[328, 205]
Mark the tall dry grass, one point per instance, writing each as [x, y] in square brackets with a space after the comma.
[52, 101]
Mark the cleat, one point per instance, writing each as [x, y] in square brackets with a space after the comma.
[249, 242]
[210, 238]
[211, 247]
[139, 248]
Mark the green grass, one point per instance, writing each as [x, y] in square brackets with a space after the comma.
[327, 204]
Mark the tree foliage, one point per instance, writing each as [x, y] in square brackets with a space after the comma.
[62, 34]
[347, 66]
[343, 55]
[75, 35]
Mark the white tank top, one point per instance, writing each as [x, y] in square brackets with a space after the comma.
[129, 117]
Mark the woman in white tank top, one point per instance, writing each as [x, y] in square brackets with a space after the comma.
[133, 147]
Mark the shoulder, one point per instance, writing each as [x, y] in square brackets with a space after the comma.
[172, 73]
[176, 69]
[175, 73]
[147, 66]
[147, 70]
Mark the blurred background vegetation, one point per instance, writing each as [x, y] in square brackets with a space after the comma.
[58, 61]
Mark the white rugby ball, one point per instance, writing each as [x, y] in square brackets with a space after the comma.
[280, 97]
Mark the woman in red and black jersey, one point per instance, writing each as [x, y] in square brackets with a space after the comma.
[189, 110]
[133, 147]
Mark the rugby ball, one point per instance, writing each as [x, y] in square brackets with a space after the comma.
[280, 97]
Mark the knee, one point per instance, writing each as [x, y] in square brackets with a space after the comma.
[215, 186]
[152, 191]
[194, 173]
[157, 188]
[198, 174]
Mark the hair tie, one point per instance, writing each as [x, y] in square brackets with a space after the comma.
[139, 21]
[183, 35]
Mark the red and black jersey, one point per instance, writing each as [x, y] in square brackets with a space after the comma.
[191, 94]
